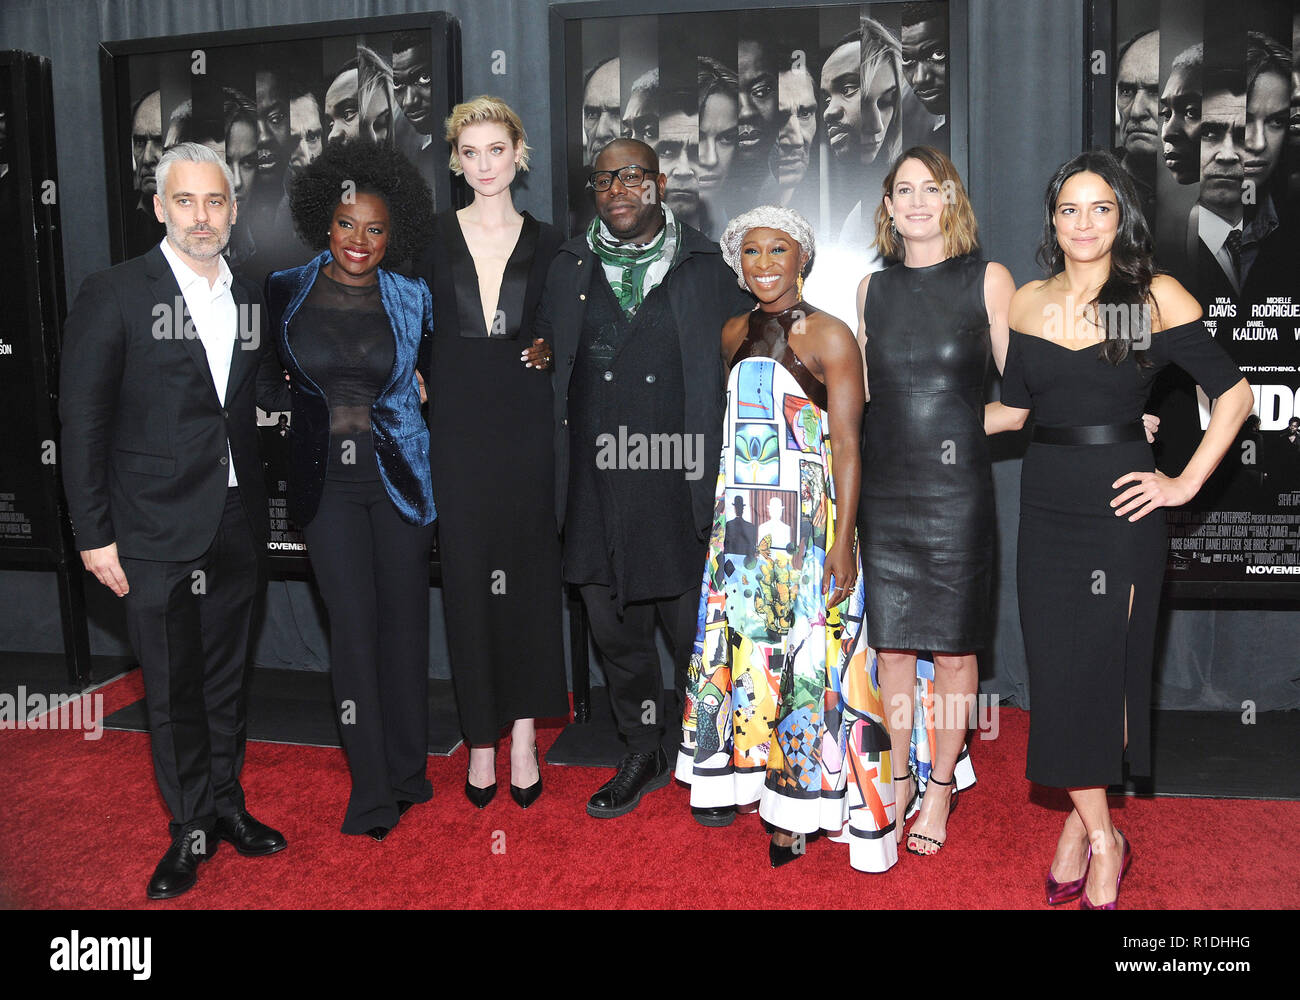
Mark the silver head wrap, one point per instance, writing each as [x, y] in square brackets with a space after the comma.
[765, 217]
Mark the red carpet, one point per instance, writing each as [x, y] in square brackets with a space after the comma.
[83, 827]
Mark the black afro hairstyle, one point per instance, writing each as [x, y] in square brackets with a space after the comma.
[364, 168]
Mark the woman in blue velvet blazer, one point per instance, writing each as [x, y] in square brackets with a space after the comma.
[348, 335]
[401, 450]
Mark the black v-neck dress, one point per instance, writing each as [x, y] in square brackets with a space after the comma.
[493, 467]
[1088, 657]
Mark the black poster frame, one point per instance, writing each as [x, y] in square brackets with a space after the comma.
[34, 176]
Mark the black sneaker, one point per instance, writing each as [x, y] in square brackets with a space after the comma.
[638, 773]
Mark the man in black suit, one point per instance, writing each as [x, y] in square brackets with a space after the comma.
[164, 484]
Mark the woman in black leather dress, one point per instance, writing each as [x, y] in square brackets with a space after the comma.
[1092, 532]
[925, 523]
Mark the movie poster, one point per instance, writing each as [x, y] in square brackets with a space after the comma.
[800, 106]
[29, 516]
[269, 101]
[1206, 119]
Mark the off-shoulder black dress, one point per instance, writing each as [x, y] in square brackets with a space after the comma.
[1078, 562]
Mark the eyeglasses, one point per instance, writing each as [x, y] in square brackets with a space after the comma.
[629, 176]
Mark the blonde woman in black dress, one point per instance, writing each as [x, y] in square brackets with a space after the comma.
[490, 448]
[1085, 346]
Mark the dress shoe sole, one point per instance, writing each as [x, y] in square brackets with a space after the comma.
[171, 893]
[714, 819]
[261, 852]
[610, 812]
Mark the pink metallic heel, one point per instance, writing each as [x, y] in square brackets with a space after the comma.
[1126, 860]
[1066, 892]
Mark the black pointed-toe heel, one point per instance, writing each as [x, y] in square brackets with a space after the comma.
[480, 796]
[525, 797]
[779, 855]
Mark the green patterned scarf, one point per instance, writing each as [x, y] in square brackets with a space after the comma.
[633, 271]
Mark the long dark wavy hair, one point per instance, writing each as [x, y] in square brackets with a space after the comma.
[1132, 265]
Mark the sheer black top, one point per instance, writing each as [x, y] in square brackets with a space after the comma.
[343, 341]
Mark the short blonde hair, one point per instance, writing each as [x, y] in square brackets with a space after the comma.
[477, 111]
[956, 219]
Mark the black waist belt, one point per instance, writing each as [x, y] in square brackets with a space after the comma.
[1094, 434]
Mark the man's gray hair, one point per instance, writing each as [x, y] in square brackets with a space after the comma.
[765, 217]
[192, 152]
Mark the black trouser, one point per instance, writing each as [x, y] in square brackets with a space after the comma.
[190, 624]
[373, 571]
[630, 657]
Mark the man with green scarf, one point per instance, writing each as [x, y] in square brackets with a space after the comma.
[634, 308]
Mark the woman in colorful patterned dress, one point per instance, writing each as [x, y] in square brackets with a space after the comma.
[782, 710]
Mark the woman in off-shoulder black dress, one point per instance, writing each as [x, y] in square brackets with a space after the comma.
[1092, 532]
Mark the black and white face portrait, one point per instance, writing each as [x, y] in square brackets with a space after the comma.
[718, 131]
[342, 110]
[678, 149]
[1137, 97]
[797, 119]
[641, 116]
[841, 86]
[1180, 117]
[757, 67]
[601, 118]
[925, 60]
[306, 132]
[272, 126]
[1223, 142]
[147, 145]
[1268, 110]
[413, 83]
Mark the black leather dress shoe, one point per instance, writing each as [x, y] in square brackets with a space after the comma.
[638, 773]
[178, 870]
[714, 815]
[379, 832]
[251, 838]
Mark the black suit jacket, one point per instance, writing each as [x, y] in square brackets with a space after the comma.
[143, 450]
[703, 294]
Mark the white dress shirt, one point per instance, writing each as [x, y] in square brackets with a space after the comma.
[215, 316]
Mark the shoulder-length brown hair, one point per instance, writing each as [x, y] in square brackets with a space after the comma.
[956, 220]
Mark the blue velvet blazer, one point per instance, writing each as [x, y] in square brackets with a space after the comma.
[399, 431]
